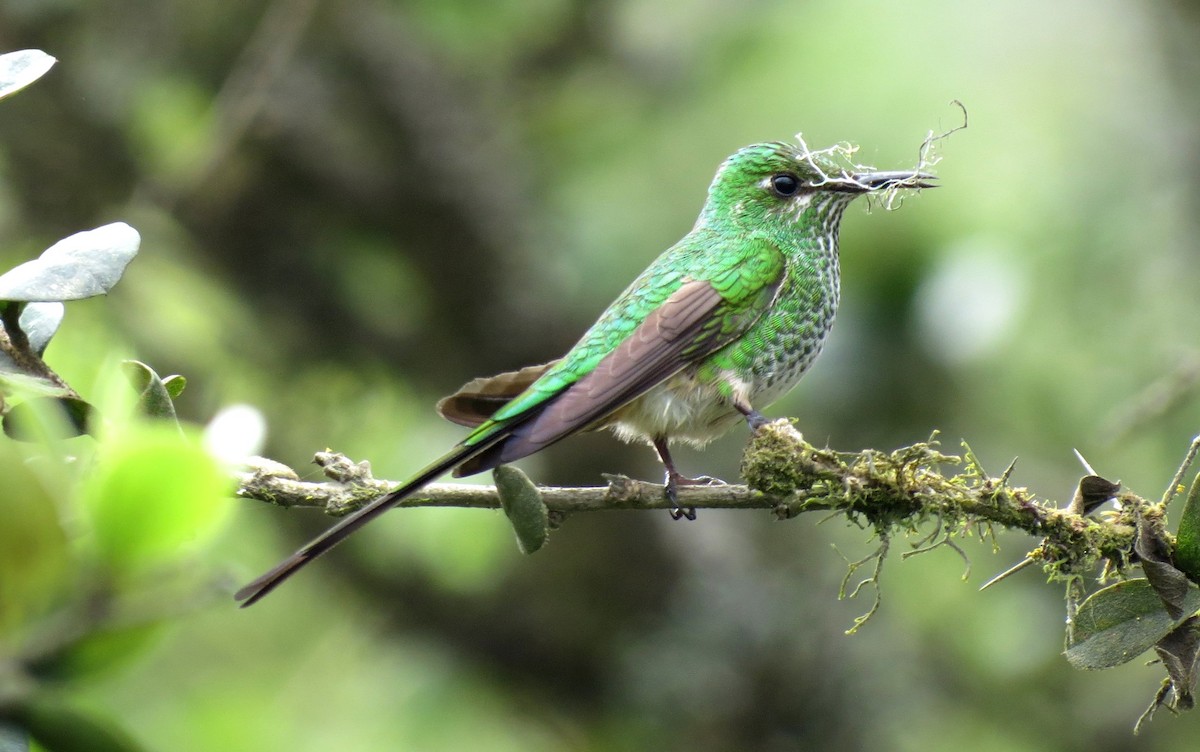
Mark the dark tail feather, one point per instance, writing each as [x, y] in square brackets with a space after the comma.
[478, 399]
[336, 534]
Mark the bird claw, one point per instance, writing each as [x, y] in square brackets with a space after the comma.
[756, 420]
[674, 481]
[683, 513]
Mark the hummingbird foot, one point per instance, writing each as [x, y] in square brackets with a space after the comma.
[754, 418]
[674, 481]
[672, 492]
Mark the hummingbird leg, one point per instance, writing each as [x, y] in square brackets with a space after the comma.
[754, 418]
[675, 479]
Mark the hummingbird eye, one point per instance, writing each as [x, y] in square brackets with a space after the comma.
[785, 185]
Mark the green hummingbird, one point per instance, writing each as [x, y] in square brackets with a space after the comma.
[720, 325]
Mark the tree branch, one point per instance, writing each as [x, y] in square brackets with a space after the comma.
[351, 487]
[889, 492]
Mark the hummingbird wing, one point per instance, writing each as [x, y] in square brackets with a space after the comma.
[716, 298]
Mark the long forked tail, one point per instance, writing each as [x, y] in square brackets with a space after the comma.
[266, 583]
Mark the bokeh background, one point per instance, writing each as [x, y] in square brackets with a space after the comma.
[350, 208]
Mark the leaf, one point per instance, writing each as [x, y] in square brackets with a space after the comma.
[61, 728]
[100, 650]
[35, 561]
[1178, 653]
[29, 386]
[523, 504]
[1154, 551]
[175, 385]
[156, 496]
[83, 265]
[1093, 491]
[154, 398]
[1187, 539]
[20, 69]
[35, 419]
[39, 321]
[1119, 623]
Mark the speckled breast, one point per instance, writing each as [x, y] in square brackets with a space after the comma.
[787, 339]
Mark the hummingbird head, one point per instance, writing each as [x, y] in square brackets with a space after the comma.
[766, 183]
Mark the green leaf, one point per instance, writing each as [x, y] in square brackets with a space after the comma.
[20, 69]
[35, 562]
[60, 728]
[83, 265]
[523, 504]
[1119, 623]
[175, 385]
[42, 418]
[98, 651]
[1187, 539]
[29, 385]
[154, 398]
[154, 497]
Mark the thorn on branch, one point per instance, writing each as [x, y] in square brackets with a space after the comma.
[1019, 566]
[1004, 476]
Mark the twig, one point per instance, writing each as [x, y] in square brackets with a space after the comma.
[1177, 482]
[339, 498]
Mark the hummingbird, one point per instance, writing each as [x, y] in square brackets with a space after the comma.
[720, 325]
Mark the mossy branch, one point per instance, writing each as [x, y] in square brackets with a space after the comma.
[889, 492]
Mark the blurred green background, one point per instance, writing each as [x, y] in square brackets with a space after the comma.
[348, 209]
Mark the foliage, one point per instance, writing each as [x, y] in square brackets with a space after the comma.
[96, 537]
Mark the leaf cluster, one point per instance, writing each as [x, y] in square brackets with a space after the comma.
[102, 509]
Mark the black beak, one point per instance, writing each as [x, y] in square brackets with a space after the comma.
[873, 181]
